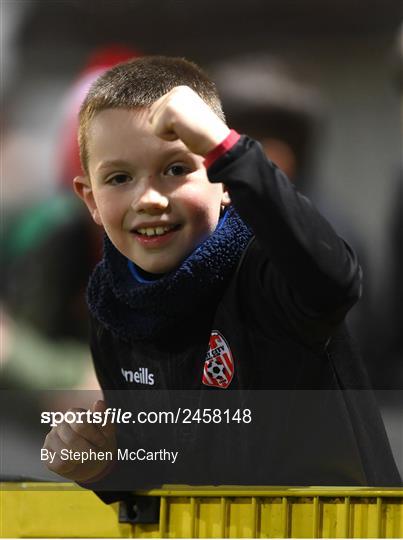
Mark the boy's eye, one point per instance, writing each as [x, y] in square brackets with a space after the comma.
[118, 179]
[177, 170]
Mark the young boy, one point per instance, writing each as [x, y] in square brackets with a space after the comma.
[217, 274]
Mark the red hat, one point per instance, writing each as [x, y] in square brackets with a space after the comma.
[99, 61]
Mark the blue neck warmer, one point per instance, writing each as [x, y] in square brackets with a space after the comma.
[134, 308]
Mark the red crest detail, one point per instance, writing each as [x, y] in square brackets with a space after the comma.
[219, 365]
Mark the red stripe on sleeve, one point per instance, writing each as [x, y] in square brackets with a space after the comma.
[222, 148]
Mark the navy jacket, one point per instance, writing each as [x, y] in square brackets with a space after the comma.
[280, 331]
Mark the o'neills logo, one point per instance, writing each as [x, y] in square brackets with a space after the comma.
[141, 376]
[219, 365]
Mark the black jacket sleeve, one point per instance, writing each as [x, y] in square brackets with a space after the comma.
[307, 269]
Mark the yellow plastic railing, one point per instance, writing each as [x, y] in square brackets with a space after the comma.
[62, 510]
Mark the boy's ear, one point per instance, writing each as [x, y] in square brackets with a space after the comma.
[225, 200]
[82, 188]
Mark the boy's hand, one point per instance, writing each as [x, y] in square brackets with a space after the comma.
[182, 114]
[80, 437]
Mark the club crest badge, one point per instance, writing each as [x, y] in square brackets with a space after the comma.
[219, 365]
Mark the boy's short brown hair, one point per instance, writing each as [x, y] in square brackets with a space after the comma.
[138, 83]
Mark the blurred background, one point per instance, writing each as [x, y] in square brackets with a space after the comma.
[319, 84]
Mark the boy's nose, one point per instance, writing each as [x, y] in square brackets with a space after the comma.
[151, 200]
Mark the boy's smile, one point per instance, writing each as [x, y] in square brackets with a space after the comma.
[152, 197]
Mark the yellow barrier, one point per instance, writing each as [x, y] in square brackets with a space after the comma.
[39, 510]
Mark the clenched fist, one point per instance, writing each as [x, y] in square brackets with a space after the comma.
[182, 114]
[67, 438]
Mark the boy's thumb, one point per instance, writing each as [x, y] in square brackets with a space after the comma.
[98, 406]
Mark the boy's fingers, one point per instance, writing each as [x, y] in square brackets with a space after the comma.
[73, 434]
[163, 129]
[99, 406]
[55, 444]
[160, 117]
[79, 436]
[108, 430]
[157, 107]
[84, 428]
[168, 135]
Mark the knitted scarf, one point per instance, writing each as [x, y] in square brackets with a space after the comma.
[134, 308]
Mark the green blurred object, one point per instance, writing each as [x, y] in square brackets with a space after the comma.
[38, 222]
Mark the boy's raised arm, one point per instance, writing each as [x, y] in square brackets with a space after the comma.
[297, 239]
[317, 271]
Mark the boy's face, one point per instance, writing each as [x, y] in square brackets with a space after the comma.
[141, 186]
